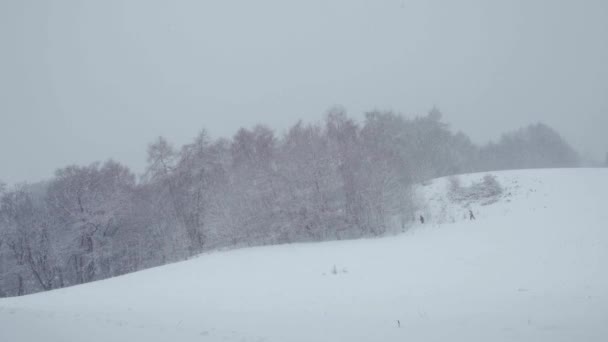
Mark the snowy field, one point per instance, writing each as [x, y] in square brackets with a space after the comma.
[532, 267]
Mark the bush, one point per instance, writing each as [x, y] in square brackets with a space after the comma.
[487, 190]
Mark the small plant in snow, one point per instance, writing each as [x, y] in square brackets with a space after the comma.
[335, 270]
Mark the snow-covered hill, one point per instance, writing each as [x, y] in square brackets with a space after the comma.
[532, 267]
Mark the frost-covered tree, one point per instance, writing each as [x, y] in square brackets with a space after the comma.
[91, 202]
[253, 188]
[535, 146]
[200, 176]
[345, 148]
[310, 183]
[383, 179]
[27, 225]
[165, 196]
[162, 160]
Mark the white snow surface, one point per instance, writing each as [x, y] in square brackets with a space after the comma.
[532, 267]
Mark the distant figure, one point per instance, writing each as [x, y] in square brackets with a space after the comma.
[399, 323]
[471, 216]
[421, 219]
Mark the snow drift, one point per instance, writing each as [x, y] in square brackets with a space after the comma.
[531, 267]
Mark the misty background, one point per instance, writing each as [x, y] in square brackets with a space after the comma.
[86, 80]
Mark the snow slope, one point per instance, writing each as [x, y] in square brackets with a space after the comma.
[532, 267]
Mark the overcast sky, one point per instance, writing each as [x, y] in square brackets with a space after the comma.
[82, 81]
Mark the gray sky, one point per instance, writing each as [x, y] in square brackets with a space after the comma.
[88, 80]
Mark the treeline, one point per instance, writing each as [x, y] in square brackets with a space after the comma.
[333, 180]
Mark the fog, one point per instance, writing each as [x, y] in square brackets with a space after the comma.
[82, 81]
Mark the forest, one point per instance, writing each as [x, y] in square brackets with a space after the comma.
[331, 180]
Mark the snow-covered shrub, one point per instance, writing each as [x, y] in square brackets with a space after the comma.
[335, 270]
[487, 191]
[491, 186]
